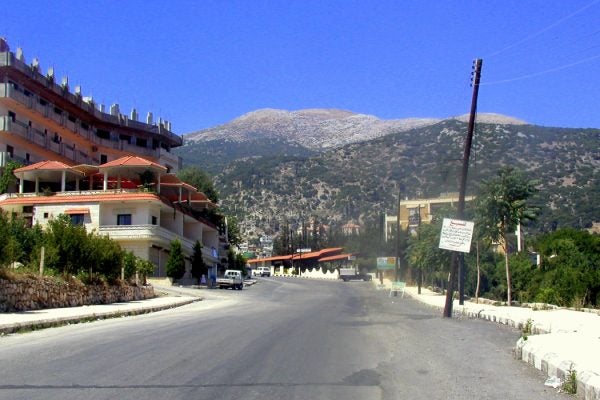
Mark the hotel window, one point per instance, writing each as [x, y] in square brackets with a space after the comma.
[124, 219]
[77, 219]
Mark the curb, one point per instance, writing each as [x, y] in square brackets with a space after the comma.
[75, 319]
[588, 382]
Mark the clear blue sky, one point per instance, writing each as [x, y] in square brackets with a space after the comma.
[202, 63]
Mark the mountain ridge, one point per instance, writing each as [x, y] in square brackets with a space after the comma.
[318, 129]
[264, 180]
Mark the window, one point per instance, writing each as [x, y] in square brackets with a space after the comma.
[77, 219]
[103, 158]
[45, 215]
[10, 150]
[12, 116]
[124, 219]
[154, 220]
[103, 134]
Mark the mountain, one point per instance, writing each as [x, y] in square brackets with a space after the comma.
[267, 169]
[271, 133]
[313, 129]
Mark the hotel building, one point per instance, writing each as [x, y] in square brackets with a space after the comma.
[109, 171]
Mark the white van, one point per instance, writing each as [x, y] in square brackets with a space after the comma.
[262, 271]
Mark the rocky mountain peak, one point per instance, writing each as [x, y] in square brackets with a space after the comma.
[314, 129]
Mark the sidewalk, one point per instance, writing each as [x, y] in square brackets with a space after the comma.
[560, 339]
[38, 319]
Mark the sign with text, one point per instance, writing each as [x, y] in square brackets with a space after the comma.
[456, 235]
[386, 262]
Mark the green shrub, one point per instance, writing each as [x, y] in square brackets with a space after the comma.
[176, 262]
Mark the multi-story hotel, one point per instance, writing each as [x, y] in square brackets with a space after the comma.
[108, 171]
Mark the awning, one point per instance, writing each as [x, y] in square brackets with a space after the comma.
[71, 211]
[336, 258]
[276, 258]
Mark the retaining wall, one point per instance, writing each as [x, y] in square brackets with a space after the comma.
[39, 293]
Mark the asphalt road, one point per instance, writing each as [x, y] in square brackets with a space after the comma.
[281, 338]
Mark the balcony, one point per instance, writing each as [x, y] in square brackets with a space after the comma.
[166, 157]
[155, 233]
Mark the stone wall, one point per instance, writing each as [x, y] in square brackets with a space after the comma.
[39, 293]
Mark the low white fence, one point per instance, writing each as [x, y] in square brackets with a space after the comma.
[315, 273]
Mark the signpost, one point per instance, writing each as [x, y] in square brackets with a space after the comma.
[456, 235]
[386, 262]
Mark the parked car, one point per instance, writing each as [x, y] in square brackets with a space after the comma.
[351, 274]
[231, 279]
[262, 271]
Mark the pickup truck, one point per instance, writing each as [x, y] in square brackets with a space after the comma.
[351, 274]
[231, 279]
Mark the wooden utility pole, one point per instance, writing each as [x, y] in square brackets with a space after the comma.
[463, 183]
[397, 265]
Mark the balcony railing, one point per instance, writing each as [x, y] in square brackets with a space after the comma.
[39, 138]
[8, 59]
[153, 232]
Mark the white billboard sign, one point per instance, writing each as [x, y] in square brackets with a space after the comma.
[456, 235]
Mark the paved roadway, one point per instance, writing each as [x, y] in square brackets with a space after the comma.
[281, 338]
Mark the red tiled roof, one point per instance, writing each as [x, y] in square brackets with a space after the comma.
[33, 200]
[274, 258]
[44, 165]
[318, 254]
[335, 258]
[132, 161]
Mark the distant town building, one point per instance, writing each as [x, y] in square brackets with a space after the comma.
[350, 229]
[414, 212]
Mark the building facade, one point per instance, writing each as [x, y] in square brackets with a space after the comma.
[41, 119]
[414, 212]
[107, 171]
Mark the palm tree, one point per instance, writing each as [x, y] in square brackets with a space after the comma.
[501, 206]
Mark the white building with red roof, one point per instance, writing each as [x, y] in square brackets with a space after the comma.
[143, 216]
[109, 171]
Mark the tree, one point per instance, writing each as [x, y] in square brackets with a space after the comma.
[67, 246]
[176, 261]
[234, 236]
[105, 255]
[501, 206]
[7, 178]
[570, 267]
[144, 268]
[200, 180]
[199, 267]
[424, 254]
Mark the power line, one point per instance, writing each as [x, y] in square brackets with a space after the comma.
[547, 71]
[560, 21]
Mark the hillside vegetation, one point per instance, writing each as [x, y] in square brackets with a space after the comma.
[264, 181]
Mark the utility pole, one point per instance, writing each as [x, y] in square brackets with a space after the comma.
[397, 265]
[463, 184]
